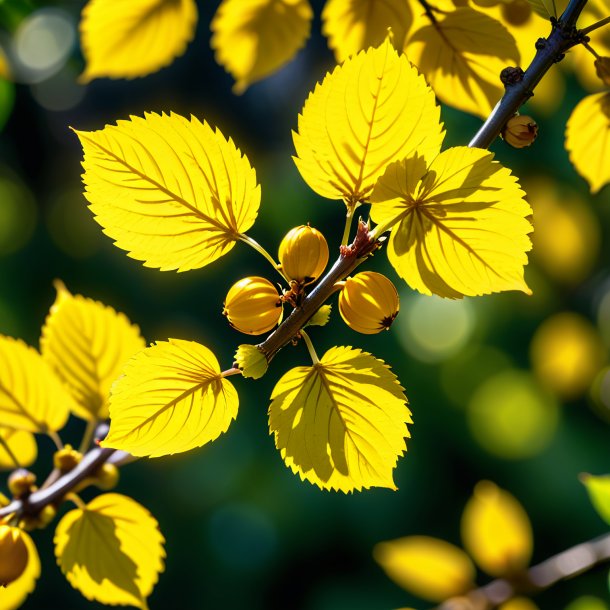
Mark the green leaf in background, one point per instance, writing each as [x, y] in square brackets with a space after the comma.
[599, 493]
[548, 8]
[7, 99]
[587, 602]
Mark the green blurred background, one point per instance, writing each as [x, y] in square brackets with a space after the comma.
[492, 396]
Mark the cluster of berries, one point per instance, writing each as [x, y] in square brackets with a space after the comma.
[368, 301]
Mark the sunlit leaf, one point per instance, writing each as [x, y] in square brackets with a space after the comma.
[135, 38]
[171, 398]
[254, 39]
[32, 398]
[427, 567]
[13, 595]
[354, 25]
[321, 317]
[21, 445]
[599, 493]
[341, 423]
[173, 193]
[496, 530]
[588, 139]
[86, 343]
[373, 109]
[251, 361]
[459, 226]
[111, 550]
[461, 55]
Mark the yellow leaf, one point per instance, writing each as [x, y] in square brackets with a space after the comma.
[32, 398]
[354, 25]
[519, 603]
[171, 398]
[173, 193]
[459, 225]
[251, 361]
[427, 567]
[598, 488]
[341, 423]
[370, 111]
[496, 531]
[461, 55]
[86, 343]
[111, 550]
[548, 8]
[135, 38]
[21, 444]
[588, 139]
[252, 40]
[13, 595]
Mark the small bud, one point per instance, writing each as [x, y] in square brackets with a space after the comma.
[602, 68]
[21, 482]
[106, 477]
[520, 131]
[303, 254]
[368, 302]
[251, 361]
[253, 306]
[13, 554]
[67, 459]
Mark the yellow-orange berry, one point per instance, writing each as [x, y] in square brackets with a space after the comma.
[520, 131]
[106, 477]
[303, 254]
[67, 459]
[368, 302]
[13, 554]
[253, 306]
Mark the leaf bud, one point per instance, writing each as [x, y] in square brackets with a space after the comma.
[368, 302]
[303, 254]
[66, 459]
[253, 306]
[520, 131]
[251, 361]
[13, 554]
[21, 482]
[106, 477]
[602, 69]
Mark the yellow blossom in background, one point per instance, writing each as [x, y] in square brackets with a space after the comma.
[519, 603]
[496, 530]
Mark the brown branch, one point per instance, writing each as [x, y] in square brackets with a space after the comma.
[550, 50]
[564, 565]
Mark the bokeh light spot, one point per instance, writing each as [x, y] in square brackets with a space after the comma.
[511, 416]
[566, 354]
[433, 329]
[17, 213]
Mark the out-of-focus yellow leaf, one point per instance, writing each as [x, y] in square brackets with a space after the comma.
[32, 398]
[461, 56]
[135, 38]
[496, 531]
[341, 423]
[13, 595]
[588, 139]
[171, 398]
[567, 353]
[370, 111]
[459, 225]
[567, 237]
[548, 8]
[5, 67]
[599, 492]
[427, 567]
[354, 25]
[254, 39]
[111, 550]
[22, 446]
[587, 602]
[173, 193]
[86, 343]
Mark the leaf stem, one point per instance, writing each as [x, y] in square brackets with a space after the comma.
[76, 500]
[9, 451]
[591, 50]
[351, 208]
[88, 435]
[254, 244]
[310, 348]
[595, 26]
[551, 50]
[55, 438]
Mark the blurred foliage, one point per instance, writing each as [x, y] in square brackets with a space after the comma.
[490, 397]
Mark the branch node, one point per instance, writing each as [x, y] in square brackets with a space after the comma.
[511, 75]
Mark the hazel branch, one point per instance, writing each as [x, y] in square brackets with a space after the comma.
[551, 50]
